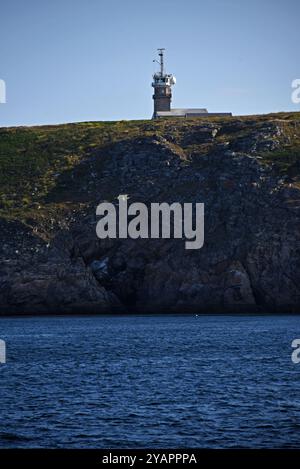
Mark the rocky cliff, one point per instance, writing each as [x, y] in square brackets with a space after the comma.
[246, 170]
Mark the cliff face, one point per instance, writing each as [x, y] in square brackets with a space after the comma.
[246, 171]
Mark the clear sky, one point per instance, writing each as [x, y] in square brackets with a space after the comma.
[80, 60]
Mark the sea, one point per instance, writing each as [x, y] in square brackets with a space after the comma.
[150, 381]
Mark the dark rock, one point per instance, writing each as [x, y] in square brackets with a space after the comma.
[250, 260]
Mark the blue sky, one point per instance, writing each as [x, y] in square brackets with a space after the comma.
[80, 60]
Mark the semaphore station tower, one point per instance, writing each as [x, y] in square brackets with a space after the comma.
[162, 84]
[162, 97]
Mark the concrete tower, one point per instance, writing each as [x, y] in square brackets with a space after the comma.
[162, 84]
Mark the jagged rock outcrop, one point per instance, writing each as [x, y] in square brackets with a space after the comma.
[250, 260]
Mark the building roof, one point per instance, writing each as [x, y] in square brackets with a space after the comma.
[189, 113]
[180, 112]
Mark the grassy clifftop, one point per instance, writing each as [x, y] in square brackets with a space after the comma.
[33, 160]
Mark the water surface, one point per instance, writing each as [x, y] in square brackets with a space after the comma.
[150, 381]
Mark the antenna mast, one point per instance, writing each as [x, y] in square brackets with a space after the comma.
[161, 57]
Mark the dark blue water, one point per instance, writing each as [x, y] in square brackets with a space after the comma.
[150, 381]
